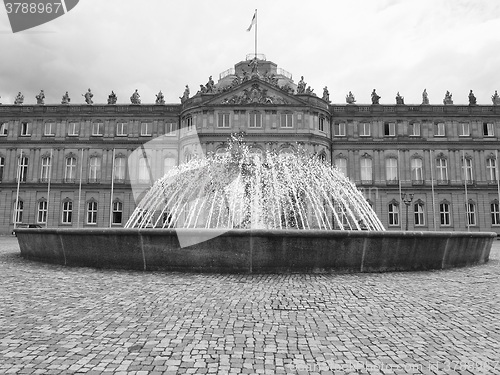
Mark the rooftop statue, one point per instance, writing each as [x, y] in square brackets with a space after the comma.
[88, 97]
[472, 98]
[425, 98]
[495, 98]
[245, 75]
[185, 95]
[309, 91]
[112, 98]
[326, 94]
[447, 98]
[19, 99]
[203, 89]
[210, 85]
[40, 98]
[350, 98]
[253, 64]
[301, 86]
[65, 99]
[159, 98]
[135, 98]
[375, 97]
[400, 99]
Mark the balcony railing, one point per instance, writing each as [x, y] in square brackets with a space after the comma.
[417, 182]
[392, 182]
[443, 182]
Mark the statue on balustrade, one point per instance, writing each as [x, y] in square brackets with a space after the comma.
[400, 99]
[88, 97]
[253, 64]
[65, 99]
[19, 99]
[210, 85]
[350, 98]
[472, 98]
[425, 97]
[112, 98]
[301, 86]
[326, 94]
[310, 91]
[159, 98]
[375, 97]
[447, 98]
[495, 98]
[185, 95]
[40, 98]
[135, 98]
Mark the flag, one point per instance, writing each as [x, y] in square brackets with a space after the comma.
[254, 20]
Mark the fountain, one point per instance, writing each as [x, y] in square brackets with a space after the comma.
[245, 212]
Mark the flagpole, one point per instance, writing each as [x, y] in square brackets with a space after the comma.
[48, 190]
[256, 34]
[17, 192]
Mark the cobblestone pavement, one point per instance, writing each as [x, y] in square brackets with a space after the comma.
[57, 320]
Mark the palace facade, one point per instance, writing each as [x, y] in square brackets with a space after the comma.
[421, 167]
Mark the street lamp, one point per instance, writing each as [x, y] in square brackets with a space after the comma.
[407, 201]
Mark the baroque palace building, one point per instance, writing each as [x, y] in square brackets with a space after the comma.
[421, 167]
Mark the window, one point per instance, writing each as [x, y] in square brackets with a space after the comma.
[25, 129]
[2, 166]
[339, 129]
[364, 129]
[286, 120]
[390, 129]
[117, 212]
[67, 212]
[391, 170]
[45, 172]
[416, 170]
[366, 170]
[341, 164]
[92, 212]
[255, 120]
[95, 169]
[121, 129]
[143, 170]
[189, 123]
[393, 214]
[471, 213]
[41, 216]
[488, 129]
[321, 124]
[467, 170]
[444, 214]
[170, 129]
[22, 170]
[146, 129]
[419, 214]
[97, 128]
[495, 213]
[415, 129]
[73, 128]
[223, 120]
[491, 167]
[18, 211]
[464, 129]
[168, 163]
[440, 129]
[4, 129]
[119, 169]
[49, 128]
[442, 170]
[70, 169]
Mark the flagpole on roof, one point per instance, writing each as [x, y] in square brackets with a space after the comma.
[255, 34]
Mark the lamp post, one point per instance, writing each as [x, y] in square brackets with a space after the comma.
[407, 201]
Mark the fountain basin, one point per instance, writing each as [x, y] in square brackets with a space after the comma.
[256, 251]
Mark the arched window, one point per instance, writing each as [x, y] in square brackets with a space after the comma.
[45, 171]
[341, 164]
[70, 169]
[419, 213]
[391, 170]
[18, 211]
[393, 211]
[144, 168]
[366, 170]
[22, 168]
[467, 172]
[417, 172]
[491, 167]
[442, 170]
[94, 169]
[471, 213]
[120, 168]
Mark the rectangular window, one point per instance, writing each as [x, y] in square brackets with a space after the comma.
[339, 129]
[488, 129]
[364, 129]
[366, 170]
[390, 129]
[286, 120]
[444, 214]
[73, 128]
[25, 129]
[341, 165]
[22, 166]
[146, 129]
[442, 170]
[119, 169]
[416, 170]
[2, 166]
[70, 170]
[67, 212]
[117, 212]
[471, 213]
[495, 213]
[464, 129]
[4, 129]
[45, 172]
[415, 130]
[92, 212]
[170, 129]
[467, 170]
[95, 169]
[491, 167]
[189, 123]
[223, 120]
[440, 129]
[121, 129]
[97, 128]
[42, 212]
[393, 214]
[255, 120]
[18, 211]
[391, 170]
[419, 214]
[321, 124]
[49, 128]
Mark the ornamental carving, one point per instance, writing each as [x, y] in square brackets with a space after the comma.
[254, 95]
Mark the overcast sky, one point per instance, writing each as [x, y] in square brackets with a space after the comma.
[357, 45]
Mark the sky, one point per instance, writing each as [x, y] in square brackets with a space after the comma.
[392, 46]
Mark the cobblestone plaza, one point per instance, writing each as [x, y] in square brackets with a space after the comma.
[57, 320]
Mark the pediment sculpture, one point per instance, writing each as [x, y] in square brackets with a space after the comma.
[254, 94]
